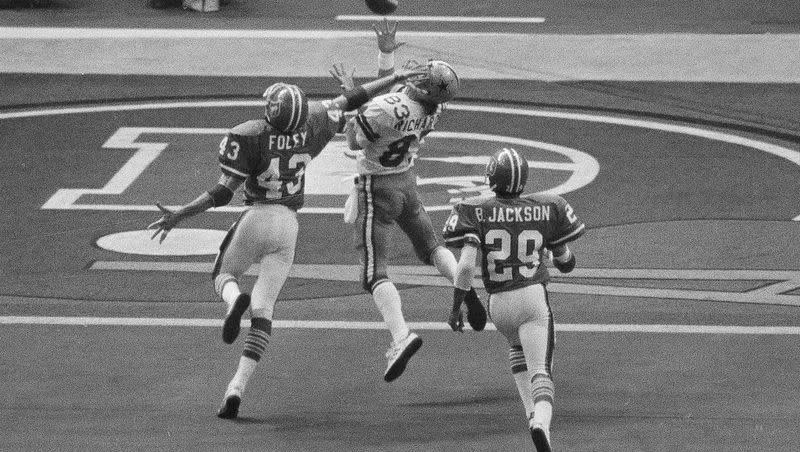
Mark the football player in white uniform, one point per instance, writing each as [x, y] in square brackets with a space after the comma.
[387, 134]
[269, 157]
[512, 233]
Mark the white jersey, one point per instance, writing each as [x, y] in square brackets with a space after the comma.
[389, 131]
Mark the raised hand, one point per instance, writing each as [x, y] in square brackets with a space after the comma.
[345, 80]
[386, 37]
[164, 224]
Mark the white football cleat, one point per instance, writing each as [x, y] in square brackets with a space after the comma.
[398, 355]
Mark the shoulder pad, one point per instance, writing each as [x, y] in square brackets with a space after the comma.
[250, 128]
[544, 198]
[475, 200]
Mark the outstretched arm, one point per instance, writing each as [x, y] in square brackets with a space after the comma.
[358, 96]
[220, 195]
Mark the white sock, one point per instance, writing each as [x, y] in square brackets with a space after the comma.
[243, 374]
[230, 292]
[543, 414]
[387, 299]
[445, 262]
[523, 382]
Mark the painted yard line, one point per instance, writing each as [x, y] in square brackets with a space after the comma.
[509, 20]
[72, 33]
[343, 272]
[360, 325]
[424, 276]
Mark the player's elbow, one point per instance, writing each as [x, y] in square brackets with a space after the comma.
[220, 195]
[565, 263]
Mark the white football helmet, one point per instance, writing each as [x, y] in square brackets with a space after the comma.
[438, 85]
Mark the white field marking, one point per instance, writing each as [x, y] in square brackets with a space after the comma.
[584, 168]
[785, 153]
[360, 325]
[418, 275]
[146, 153]
[64, 33]
[467, 19]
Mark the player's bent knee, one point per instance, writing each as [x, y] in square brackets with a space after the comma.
[426, 255]
[543, 388]
[220, 280]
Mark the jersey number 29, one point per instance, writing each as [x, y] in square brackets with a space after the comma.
[525, 246]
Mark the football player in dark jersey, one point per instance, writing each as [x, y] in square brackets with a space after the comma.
[269, 157]
[386, 136]
[513, 233]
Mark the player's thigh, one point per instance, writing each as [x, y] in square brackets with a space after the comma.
[261, 231]
[509, 310]
[275, 233]
[378, 206]
[418, 227]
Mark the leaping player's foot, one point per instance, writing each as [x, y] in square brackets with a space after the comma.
[233, 320]
[398, 355]
[230, 406]
[540, 438]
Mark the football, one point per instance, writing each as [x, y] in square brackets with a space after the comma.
[382, 6]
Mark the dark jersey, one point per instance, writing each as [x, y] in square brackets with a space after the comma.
[273, 164]
[512, 234]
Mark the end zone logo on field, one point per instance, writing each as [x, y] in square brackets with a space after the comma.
[171, 164]
[450, 167]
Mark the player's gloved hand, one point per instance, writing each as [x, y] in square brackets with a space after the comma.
[476, 313]
[386, 37]
[456, 320]
[164, 224]
[340, 75]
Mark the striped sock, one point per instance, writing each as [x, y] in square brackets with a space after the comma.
[543, 392]
[254, 347]
[520, 372]
[257, 338]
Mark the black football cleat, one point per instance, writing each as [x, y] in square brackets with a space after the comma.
[540, 439]
[233, 320]
[476, 313]
[230, 407]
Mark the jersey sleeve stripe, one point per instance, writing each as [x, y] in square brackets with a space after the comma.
[571, 236]
[233, 171]
[366, 128]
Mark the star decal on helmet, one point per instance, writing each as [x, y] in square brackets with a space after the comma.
[443, 85]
